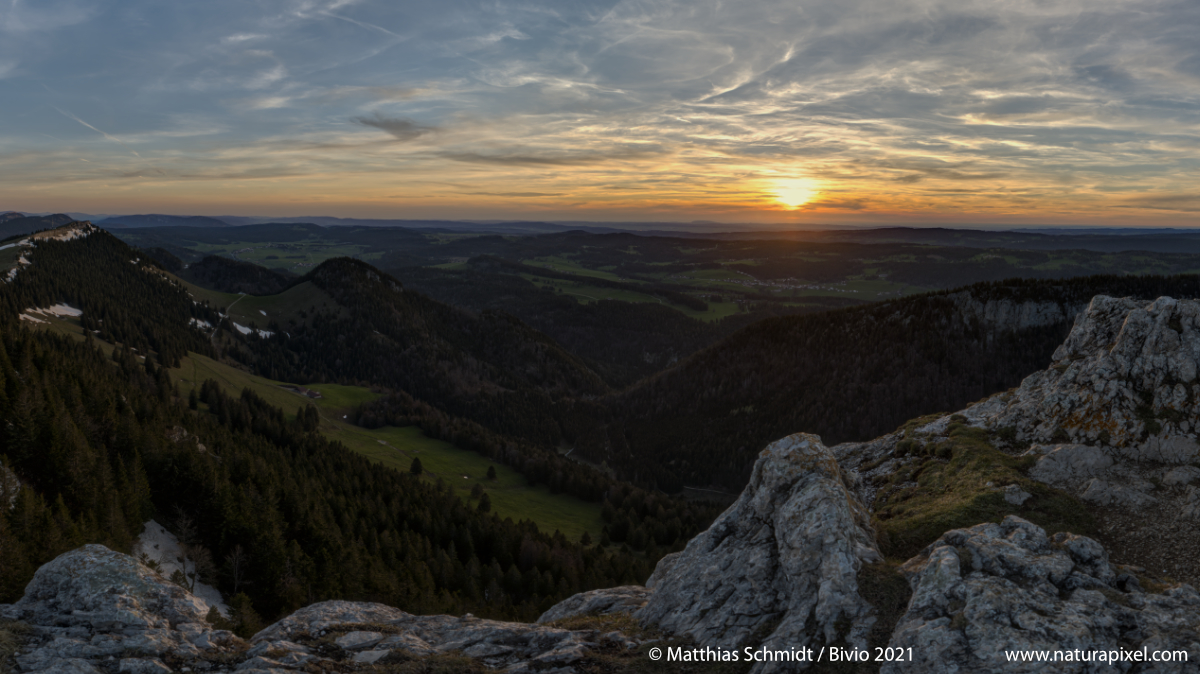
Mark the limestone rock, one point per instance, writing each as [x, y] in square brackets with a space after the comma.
[1015, 495]
[787, 550]
[1183, 475]
[1064, 464]
[143, 666]
[358, 640]
[1125, 377]
[1012, 315]
[370, 657]
[311, 620]
[1104, 493]
[407, 643]
[93, 604]
[625, 599]
[494, 643]
[105, 590]
[996, 588]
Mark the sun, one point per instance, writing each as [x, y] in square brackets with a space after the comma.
[795, 192]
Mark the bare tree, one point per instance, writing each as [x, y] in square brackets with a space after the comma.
[237, 560]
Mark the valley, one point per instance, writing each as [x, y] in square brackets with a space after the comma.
[510, 494]
[581, 413]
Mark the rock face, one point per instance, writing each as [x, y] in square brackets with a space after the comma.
[92, 603]
[788, 550]
[995, 588]
[1125, 378]
[1013, 315]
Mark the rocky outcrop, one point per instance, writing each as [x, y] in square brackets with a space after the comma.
[93, 604]
[1125, 378]
[982, 593]
[624, 599]
[786, 554]
[380, 631]
[95, 611]
[1013, 314]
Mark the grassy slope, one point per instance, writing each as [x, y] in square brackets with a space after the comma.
[395, 448]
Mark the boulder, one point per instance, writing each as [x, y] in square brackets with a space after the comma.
[996, 589]
[786, 553]
[1013, 494]
[1066, 463]
[625, 599]
[92, 604]
[314, 619]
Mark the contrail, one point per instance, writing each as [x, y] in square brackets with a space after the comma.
[112, 138]
[363, 24]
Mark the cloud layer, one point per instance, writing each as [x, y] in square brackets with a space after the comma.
[911, 111]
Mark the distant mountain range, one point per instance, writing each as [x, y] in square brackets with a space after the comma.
[1098, 239]
[156, 220]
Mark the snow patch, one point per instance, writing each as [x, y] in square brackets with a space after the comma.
[12, 274]
[245, 331]
[58, 311]
[262, 312]
[161, 546]
[61, 310]
[197, 323]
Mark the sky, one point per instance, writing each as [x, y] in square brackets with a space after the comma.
[786, 112]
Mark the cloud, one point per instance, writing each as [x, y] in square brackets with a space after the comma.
[514, 194]
[402, 129]
[42, 16]
[379, 94]
[557, 159]
[1187, 203]
[945, 104]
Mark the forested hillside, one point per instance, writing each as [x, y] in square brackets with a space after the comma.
[233, 276]
[124, 296]
[851, 374]
[490, 368]
[275, 515]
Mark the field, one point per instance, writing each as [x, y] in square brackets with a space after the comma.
[395, 448]
[563, 264]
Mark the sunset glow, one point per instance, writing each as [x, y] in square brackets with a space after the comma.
[907, 112]
[796, 192]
